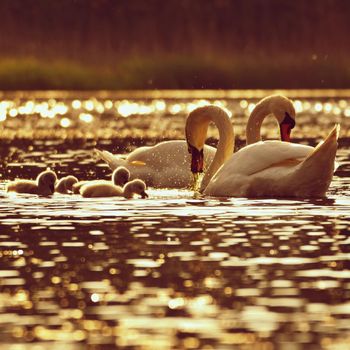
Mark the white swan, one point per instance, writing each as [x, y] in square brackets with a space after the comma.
[65, 184]
[120, 177]
[109, 190]
[262, 169]
[164, 165]
[44, 184]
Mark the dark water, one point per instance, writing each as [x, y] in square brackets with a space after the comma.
[173, 271]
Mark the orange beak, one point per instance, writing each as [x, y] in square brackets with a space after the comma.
[285, 132]
[286, 127]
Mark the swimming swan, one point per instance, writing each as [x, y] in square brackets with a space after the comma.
[120, 177]
[261, 169]
[165, 165]
[65, 184]
[109, 190]
[44, 184]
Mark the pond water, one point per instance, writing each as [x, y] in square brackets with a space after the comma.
[173, 271]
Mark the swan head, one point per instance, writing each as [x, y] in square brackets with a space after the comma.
[196, 131]
[283, 110]
[136, 186]
[197, 124]
[47, 180]
[69, 181]
[120, 176]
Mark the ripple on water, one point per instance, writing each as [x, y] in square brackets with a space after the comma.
[170, 272]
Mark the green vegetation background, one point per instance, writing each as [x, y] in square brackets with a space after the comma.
[148, 44]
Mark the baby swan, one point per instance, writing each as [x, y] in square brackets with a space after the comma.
[44, 184]
[65, 184]
[120, 177]
[109, 190]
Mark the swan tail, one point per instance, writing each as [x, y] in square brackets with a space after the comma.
[112, 160]
[327, 147]
[317, 169]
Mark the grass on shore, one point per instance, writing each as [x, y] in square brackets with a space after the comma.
[175, 72]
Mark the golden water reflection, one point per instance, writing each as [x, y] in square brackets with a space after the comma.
[94, 116]
[173, 271]
[125, 108]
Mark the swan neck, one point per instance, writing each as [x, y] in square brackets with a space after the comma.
[224, 149]
[253, 129]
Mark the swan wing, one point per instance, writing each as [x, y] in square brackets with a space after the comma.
[256, 169]
[277, 169]
[264, 154]
[167, 154]
[112, 160]
[167, 164]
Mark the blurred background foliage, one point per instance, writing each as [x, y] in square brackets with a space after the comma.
[138, 44]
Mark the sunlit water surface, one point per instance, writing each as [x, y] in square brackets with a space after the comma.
[173, 271]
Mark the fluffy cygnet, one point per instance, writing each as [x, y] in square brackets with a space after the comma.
[44, 184]
[65, 184]
[120, 177]
[137, 187]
